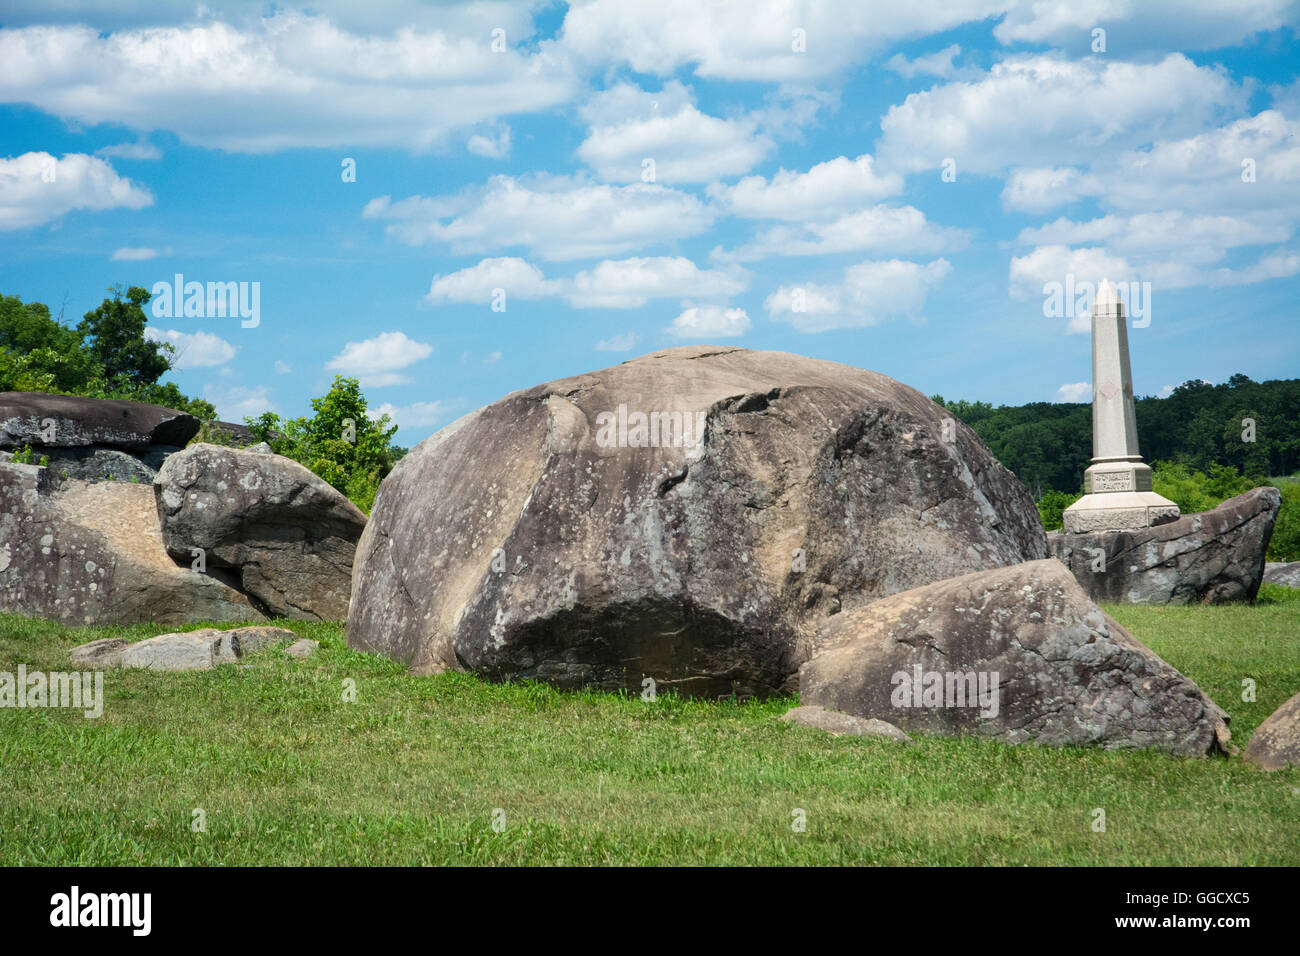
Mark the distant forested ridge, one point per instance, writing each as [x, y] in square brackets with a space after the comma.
[1048, 445]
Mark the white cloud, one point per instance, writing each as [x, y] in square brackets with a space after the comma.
[871, 292]
[477, 284]
[630, 126]
[753, 40]
[1182, 24]
[558, 218]
[36, 188]
[937, 64]
[876, 229]
[290, 80]
[611, 283]
[1041, 110]
[710, 322]
[1165, 392]
[377, 361]
[1040, 189]
[623, 342]
[134, 254]
[827, 189]
[237, 402]
[1075, 392]
[193, 349]
[494, 146]
[142, 149]
[629, 283]
[416, 415]
[492, 358]
[282, 367]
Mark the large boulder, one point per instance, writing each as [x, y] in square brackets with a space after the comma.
[1206, 558]
[1276, 742]
[85, 553]
[285, 536]
[93, 439]
[1015, 654]
[689, 516]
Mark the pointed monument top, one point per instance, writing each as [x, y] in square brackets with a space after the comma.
[1107, 300]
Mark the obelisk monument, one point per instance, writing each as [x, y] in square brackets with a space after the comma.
[1117, 485]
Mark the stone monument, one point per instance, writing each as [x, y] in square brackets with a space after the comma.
[1117, 485]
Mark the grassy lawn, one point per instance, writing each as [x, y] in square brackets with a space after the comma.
[287, 772]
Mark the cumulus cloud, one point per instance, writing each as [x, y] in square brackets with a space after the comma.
[755, 40]
[377, 361]
[870, 293]
[1184, 24]
[290, 80]
[611, 283]
[416, 415]
[557, 218]
[631, 127]
[234, 403]
[880, 228]
[710, 322]
[142, 149]
[1045, 110]
[193, 349]
[826, 190]
[36, 188]
[1075, 392]
[478, 284]
[491, 146]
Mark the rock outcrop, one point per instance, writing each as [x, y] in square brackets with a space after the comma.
[92, 553]
[1276, 742]
[1016, 654]
[689, 516]
[1286, 574]
[93, 439]
[199, 650]
[286, 537]
[1206, 558]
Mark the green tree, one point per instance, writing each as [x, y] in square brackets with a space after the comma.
[114, 335]
[341, 443]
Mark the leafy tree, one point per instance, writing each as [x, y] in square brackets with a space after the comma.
[341, 443]
[115, 337]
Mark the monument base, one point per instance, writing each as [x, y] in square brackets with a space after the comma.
[1118, 511]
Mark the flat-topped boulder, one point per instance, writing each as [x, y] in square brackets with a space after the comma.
[199, 650]
[71, 421]
[689, 516]
[285, 536]
[92, 553]
[1015, 654]
[1210, 557]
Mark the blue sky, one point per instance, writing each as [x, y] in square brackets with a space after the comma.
[888, 185]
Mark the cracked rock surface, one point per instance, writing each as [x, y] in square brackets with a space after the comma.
[1067, 672]
[284, 536]
[530, 539]
[1205, 558]
[92, 553]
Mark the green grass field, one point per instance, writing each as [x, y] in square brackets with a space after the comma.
[287, 772]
